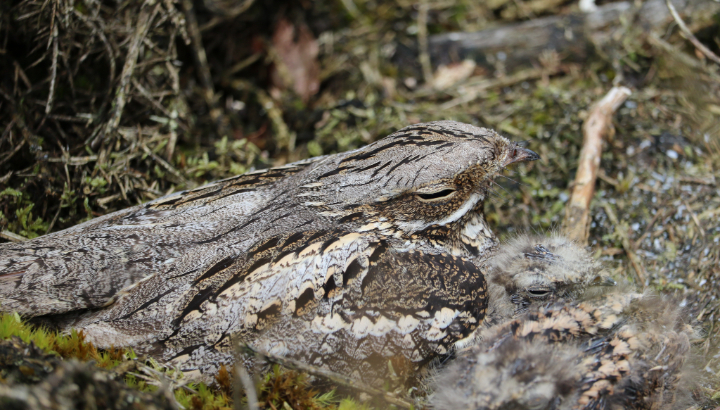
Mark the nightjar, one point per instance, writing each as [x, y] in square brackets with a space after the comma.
[532, 269]
[609, 348]
[340, 261]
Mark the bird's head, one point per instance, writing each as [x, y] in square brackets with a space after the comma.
[534, 269]
[425, 176]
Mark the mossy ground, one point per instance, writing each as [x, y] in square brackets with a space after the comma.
[67, 154]
[279, 388]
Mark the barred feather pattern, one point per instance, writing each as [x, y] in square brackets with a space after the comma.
[342, 261]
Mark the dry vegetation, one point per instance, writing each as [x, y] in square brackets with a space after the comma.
[107, 104]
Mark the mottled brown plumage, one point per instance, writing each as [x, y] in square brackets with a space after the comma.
[532, 269]
[341, 261]
[609, 350]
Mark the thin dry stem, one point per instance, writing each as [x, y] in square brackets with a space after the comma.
[53, 70]
[423, 41]
[622, 231]
[250, 393]
[143, 23]
[576, 224]
[689, 35]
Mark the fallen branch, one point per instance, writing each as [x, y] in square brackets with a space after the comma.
[573, 37]
[576, 224]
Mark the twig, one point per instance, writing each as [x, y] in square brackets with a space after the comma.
[13, 237]
[5, 178]
[576, 224]
[649, 226]
[472, 92]
[143, 23]
[19, 72]
[423, 41]
[329, 375]
[165, 165]
[689, 35]
[74, 160]
[52, 223]
[53, 71]
[241, 65]
[14, 151]
[694, 218]
[622, 231]
[145, 93]
[250, 393]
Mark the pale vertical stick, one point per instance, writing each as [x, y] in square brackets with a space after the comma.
[423, 41]
[576, 224]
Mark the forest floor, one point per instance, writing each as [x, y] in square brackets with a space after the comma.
[108, 105]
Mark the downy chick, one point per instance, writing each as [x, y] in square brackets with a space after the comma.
[534, 269]
[615, 349]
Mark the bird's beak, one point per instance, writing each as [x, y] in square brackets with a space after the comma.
[520, 154]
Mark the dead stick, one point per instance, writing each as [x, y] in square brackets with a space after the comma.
[250, 393]
[689, 34]
[143, 23]
[423, 41]
[576, 224]
[53, 71]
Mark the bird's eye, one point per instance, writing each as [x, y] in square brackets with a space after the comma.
[435, 196]
[603, 281]
[538, 293]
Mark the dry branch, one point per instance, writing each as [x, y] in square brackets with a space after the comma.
[576, 224]
[53, 71]
[144, 21]
[573, 36]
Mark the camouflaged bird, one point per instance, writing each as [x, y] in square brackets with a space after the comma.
[532, 269]
[617, 349]
[339, 261]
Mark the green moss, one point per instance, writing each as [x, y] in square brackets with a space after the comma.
[72, 346]
[279, 386]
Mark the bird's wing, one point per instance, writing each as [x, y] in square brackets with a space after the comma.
[403, 306]
[86, 266]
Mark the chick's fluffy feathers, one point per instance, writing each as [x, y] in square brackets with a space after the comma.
[622, 349]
